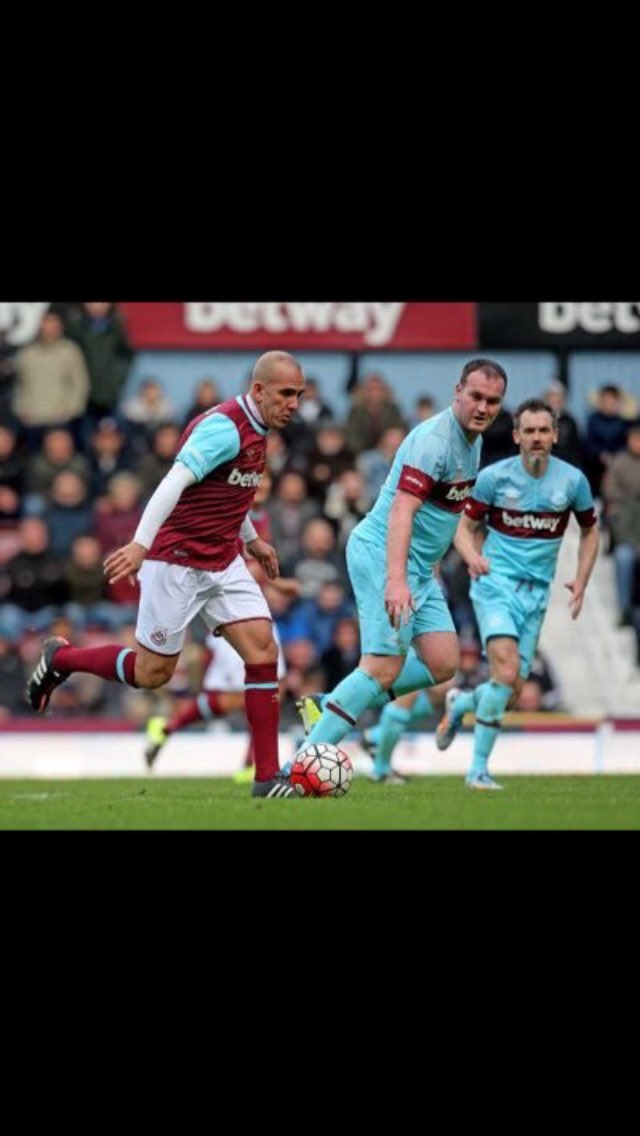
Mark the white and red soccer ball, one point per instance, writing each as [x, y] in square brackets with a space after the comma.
[322, 770]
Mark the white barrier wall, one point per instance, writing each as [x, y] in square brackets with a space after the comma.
[214, 754]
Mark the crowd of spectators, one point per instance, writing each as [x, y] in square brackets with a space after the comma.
[78, 463]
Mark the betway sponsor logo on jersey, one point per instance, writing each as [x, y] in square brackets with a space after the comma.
[451, 495]
[458, 494]
[375, 322]
[531, 521]
[244, 480]
[531, 524]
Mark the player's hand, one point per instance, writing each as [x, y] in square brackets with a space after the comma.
[266, 556]
[577, 596]
[126, 561]
[398, 603]
[478, 566]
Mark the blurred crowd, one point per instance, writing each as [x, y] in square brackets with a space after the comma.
[78, 462]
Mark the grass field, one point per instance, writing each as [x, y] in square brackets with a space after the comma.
[425, 803]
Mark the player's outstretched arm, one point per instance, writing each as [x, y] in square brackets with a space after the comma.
[587, 556]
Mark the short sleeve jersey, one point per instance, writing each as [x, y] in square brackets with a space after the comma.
[225, 448]
[437, 464]
[527, 516]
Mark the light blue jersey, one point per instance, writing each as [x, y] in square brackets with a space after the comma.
[437, 464]
[527, 516]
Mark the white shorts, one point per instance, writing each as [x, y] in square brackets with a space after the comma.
[226, 669]
[171, 596]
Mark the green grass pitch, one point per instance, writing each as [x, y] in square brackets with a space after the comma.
[550, 803]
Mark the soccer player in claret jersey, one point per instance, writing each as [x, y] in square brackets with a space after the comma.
[224, 681]
[186, 552]
[391, 556]
[526, 502]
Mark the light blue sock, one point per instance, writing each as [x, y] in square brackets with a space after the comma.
[393, 723]
[373, 734]
[465, 703]
[413, 676]
[492, 698]
[342, 708]
[422, 707]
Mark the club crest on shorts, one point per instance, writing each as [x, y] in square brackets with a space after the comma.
[159, 636]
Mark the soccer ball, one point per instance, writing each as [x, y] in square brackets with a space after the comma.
[322, 770]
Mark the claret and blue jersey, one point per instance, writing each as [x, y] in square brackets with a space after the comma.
[527, 516]
[225, 449]
[439, 465]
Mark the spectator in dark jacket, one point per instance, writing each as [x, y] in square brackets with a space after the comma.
[13, 676]
[100, 332]
[109, 453]
[343, 654]
[373, 411]
[32, 583]
[606, 434]
[497, 441]
[12, 460]
[58, 454]
[69, 512]
[569, 446]
[7, 380]
[328, 457]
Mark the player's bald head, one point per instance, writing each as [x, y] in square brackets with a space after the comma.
[275, 366]
[277, 385]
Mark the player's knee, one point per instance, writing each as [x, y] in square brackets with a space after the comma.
[507, 674]
[444, 670]
[259, 651]
[150, 675]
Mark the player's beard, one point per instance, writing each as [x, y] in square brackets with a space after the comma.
[537, 462]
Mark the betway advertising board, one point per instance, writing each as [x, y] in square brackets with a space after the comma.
[299, 325]
[567, 324]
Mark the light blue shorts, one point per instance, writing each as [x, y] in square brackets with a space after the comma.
[367, 570]
[515, 608]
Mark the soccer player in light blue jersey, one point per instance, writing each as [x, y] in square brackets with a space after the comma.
[391, 555]
[526, 502]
